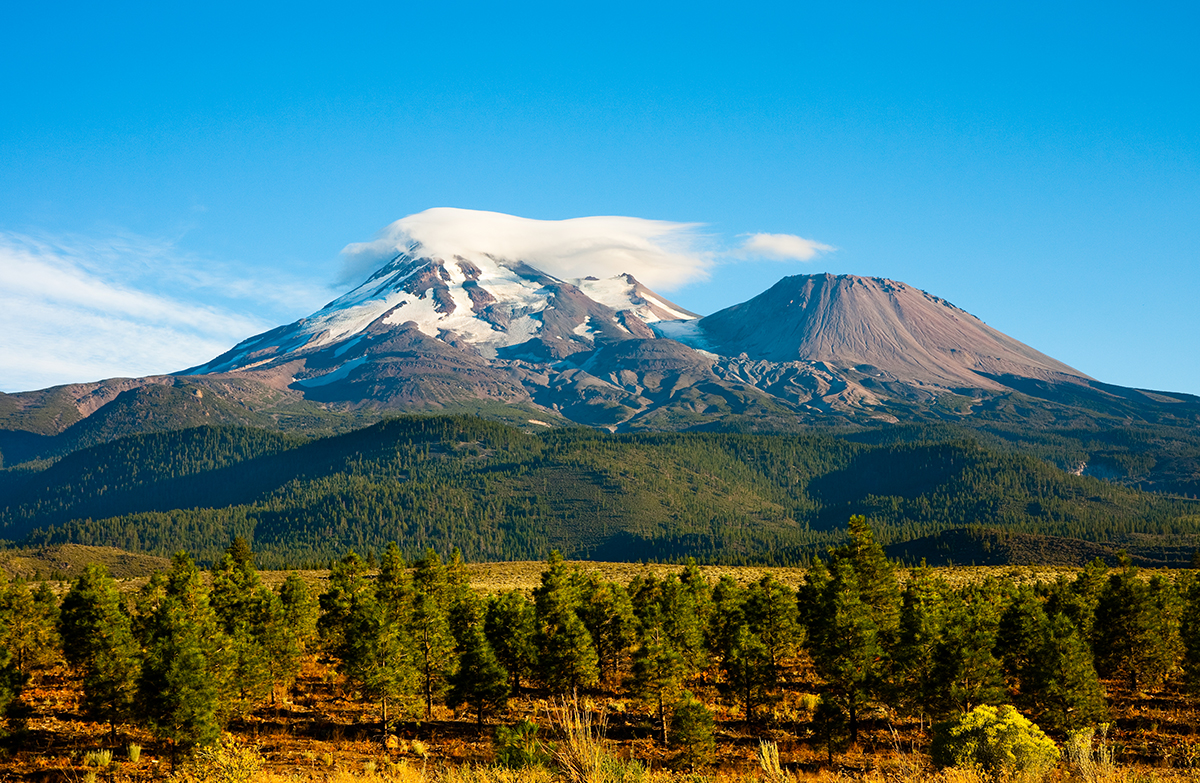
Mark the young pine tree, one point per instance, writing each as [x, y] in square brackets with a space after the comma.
[510, 623]
[479, 682]
[433, 595]
[98, 644]
[184, 687]
[567, 657]
[844, 643]
[659, 669]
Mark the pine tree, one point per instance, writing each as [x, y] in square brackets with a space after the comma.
[365, 628]
[184, 684]
[747, 669]
[479, 681]
[771, 613]
[692, 732]
[247, 612]
[658, 672]
[607, 613]
[844, 644]
[726, 618]
[29, 620]
[98, 644]
[510, 625]
[12, 684]
[1189, 633]
[1020, 638]
[430, 626]
[1062, 687]
[965, 671]
[292, 626]
[1136, 632]
[878, 588]
[921, 619]
[566, 657]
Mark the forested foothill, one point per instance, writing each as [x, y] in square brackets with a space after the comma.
[499, 492]
[862, 666]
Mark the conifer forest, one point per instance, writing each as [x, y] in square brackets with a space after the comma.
[404, 661]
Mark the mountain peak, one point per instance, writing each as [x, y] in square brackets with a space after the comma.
[878, 326]
[498, 307]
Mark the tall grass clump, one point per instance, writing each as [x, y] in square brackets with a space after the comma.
[581, 754]
[1091, 756]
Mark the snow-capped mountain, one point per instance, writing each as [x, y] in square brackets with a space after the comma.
[498, 307]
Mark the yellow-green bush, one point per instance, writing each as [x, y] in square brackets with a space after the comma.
[997, 740]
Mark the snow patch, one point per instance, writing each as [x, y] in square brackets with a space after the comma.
[687, 332]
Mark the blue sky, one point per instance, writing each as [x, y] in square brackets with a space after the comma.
[177, 178]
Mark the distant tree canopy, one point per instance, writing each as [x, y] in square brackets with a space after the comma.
[497, 493]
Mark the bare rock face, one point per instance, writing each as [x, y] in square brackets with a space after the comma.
[878, 328]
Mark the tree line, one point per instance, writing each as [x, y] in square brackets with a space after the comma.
[183, 658]
[499, 493]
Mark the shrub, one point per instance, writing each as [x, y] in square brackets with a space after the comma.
[996, 740]
[518, 746]
[225, 761]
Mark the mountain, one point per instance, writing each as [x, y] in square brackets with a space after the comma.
[495, 336]
[881, 328]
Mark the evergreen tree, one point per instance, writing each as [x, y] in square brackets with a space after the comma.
[607, 613]
[771, 613]
[692, 732]
[1136, 632]
[878, 588]
[844, 644]
[1189, 632]
[920, 630]
[1078, 598]
[726, 618]
[1062, 687]
[361, 628]
[29, 620]
[510, 624]
[479, 681]
[98, 644]
[248, 614]
[430, 629]
[965, 671]
[747, 669]
[292, 627]
[1020, 638]
[566, 657]
[659, 669]
[184, 684]
[12, 684]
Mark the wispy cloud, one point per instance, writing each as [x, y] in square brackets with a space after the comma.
[781, 247]
[76, 309]
[660, 253]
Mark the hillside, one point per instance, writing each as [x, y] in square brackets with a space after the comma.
[498, 492]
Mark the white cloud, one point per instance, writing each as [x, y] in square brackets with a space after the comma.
[78, 309]
[781, 247]
[659, 253]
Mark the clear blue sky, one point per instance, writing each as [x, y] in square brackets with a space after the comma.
[174, 177]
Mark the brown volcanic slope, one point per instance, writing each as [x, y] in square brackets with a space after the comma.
[879, 327]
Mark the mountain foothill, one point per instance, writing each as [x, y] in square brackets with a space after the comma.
[480, 403]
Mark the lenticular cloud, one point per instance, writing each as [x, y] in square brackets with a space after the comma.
[660, 253]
